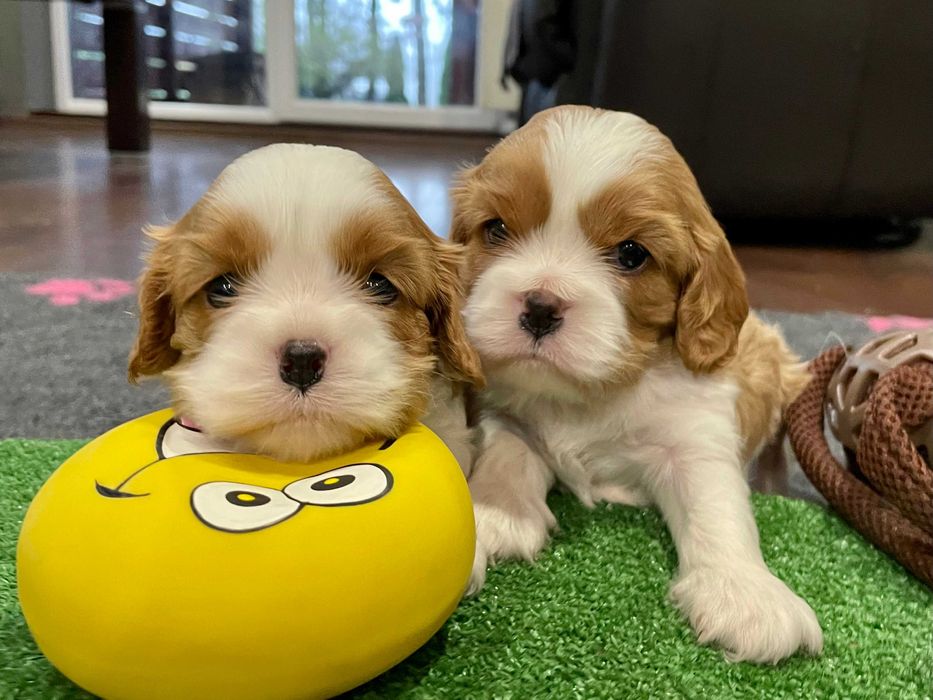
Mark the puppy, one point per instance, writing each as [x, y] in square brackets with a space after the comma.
[612, 323]
[301, 308]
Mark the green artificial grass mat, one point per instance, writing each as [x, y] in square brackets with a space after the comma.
[590, 618]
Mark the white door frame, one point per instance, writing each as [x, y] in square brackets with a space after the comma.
[283, 101]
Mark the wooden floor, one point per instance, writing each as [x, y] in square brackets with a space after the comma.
[69, 207]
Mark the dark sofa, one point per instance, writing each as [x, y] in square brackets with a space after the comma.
[797, 108]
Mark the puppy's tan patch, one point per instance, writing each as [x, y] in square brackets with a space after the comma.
[510, 184]
[174, 315]
[769, 376]
[639, 208]
[394, 241]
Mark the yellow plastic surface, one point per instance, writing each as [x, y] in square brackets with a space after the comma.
[182, 574]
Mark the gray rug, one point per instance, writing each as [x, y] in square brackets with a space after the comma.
[64, 344]
[63, 364]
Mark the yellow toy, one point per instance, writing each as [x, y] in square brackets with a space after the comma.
[153, 564]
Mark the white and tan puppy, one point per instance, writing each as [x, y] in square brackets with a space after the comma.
[302, 307]
[612, 323]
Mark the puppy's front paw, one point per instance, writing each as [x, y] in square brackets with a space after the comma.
[502, 535]
[748, 612]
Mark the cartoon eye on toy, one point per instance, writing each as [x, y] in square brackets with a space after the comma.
[233, 507]
[344, 486]
[177, 439]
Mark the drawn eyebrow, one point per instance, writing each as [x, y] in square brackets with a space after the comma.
[117, 491]
[387, 444]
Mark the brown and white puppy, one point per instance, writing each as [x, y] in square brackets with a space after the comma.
[612, 322]
[301, 307]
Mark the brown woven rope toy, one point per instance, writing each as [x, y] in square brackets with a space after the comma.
[879, 404]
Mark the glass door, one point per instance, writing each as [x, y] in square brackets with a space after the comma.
[389, 63]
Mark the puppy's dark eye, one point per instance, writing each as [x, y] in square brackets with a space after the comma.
[221, 290]
[495, 232]
[380, 288]
[631, 256]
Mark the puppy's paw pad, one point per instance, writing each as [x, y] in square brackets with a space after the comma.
[751, 614]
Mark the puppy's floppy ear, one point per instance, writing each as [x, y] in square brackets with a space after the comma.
[152, 352]
[459, 198]
[713, 304]
[459, 360]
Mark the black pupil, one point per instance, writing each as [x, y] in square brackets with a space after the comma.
[631, 255]
[496, 232]
[381, 288]
[223, 286]
[220, 290]
[247, 499]
[333, 482]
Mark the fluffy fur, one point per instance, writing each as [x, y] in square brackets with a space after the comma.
[657, 387]
[301, 228]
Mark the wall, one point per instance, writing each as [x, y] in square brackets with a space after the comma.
[494, 27]
[12, 72]
[25, 58]
[37, 55]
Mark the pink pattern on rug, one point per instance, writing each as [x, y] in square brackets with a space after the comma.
[69, 292]
[882, 324]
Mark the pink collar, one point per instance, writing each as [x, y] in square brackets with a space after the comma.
[184, 422]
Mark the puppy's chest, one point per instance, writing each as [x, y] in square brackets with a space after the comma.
[597, 454]
[602, 448]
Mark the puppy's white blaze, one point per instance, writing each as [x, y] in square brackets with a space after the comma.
[587, 345]
[584, 151]
[299, 191]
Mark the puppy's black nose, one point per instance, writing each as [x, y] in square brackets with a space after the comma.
[542, 314]
[302, 364]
